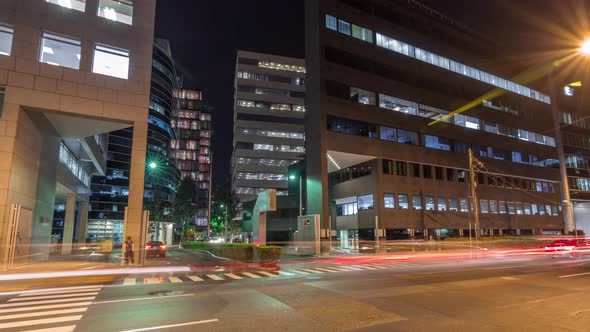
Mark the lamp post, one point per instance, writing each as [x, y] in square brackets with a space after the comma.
[568, 211]
[293, 177]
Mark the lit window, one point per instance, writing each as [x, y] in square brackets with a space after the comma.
[389, 201]
[60, 51]
[365, 202]
[111, 62]
[402, 201]
[442, 204]
[6, 35]
[116, 10]
[72, 4]
[416, 202]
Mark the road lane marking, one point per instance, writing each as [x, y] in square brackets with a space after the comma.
[174, 279]
[43, 313]
[173, 325]
[149, 281]
[574, 275]
[324, 269]
[233, 276]
[143, 299]
[195, 278]
[40, 321]
[268, 274]
[286, 273]
[300, 272]
[69, 328]
[214, 277]
[251, 275]
[129, 281]
[365, 267]
[52, 290]
[336, 269]
[510, 278]
[349, 268]
[379, 266]
[312, 271]
[18, 299]
[62, 292]
[43, 307]
[20, 304]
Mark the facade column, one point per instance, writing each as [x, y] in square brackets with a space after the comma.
[82, 221]
[69, 221]
[134, 226]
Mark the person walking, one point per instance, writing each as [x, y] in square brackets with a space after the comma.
[128, 250]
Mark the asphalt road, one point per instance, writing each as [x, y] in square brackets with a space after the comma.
[518, 293]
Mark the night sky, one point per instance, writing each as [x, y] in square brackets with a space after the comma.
[205, 36]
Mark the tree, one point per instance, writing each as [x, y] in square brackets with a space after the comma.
[225, 201]
[184, 206]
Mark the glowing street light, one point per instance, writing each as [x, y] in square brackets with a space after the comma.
[585, 47]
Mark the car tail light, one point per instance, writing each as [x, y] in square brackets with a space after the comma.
[148, 247]
[162, 247]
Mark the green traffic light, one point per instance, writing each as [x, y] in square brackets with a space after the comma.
[292, 177]
[153, 165]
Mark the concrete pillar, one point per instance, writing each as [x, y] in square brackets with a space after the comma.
[82, 221]
[134, 226]
[518, 231]
[461, 232]
[69, 221]
[500, 232]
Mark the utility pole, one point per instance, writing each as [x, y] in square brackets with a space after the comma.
[472, 168]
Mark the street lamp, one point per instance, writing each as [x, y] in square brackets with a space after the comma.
[293, 177]
[568, 212]
[585, 49]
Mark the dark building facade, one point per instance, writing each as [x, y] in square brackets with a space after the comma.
[110, 192]
[387, 155]
[192, 148]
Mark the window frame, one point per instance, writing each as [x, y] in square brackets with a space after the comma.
[59, 39]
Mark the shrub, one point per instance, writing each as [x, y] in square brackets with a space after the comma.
[268, 253]
[197, 245]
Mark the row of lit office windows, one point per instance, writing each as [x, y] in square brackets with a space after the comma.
[265, 162]
[114, 10]
[271, 106]
[65, 51]
[404, 168]
[270, 133]
[261, 176]
[392, 44]
[271, 78]
[353, 205]
[408, 107]
[256, 191]
[358, 128]
[271, 65]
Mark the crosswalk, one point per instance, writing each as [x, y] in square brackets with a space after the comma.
[46, 311]
[291, 272]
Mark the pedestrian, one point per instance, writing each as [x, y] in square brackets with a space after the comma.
[128, 248]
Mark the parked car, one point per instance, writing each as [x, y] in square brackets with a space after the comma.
[570, 247]
[155, 249]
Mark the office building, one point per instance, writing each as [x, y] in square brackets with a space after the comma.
[110, 192]
[70, 72]
[192, 148]
[269, 113]
[387, 158]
